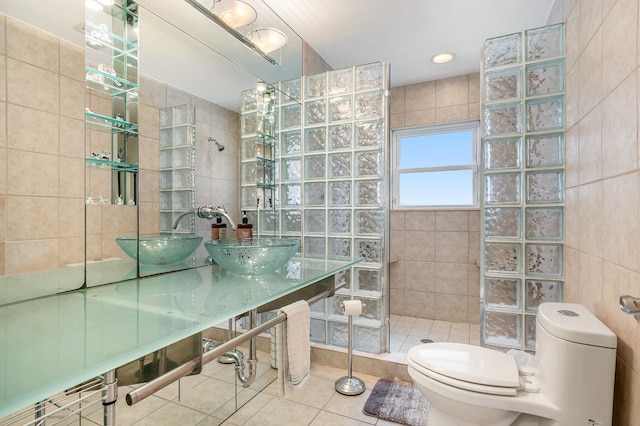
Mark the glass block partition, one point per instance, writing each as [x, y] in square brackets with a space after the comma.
[523, 206]
[332, 189]
[177, 167]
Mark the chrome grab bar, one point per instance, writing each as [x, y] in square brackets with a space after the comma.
[160, 382]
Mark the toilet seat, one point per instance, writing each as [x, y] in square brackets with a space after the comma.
[473, 387]
[467, 367]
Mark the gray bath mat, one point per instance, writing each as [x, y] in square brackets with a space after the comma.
[397, 401]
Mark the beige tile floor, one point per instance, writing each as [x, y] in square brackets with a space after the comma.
[210, 399]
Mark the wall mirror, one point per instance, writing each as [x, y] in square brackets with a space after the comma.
[46, 245]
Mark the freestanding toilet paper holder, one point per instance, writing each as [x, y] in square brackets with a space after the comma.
[350, 385]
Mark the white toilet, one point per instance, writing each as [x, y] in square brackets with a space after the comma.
[571, 383]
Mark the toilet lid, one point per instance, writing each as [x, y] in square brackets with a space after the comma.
[467, 363]
[473, 387]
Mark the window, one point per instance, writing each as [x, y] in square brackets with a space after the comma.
[436, 166]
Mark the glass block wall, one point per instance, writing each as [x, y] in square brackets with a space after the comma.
[332, 189]
[523, 206]
[177, 167]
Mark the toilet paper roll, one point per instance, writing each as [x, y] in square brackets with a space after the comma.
[352, 307]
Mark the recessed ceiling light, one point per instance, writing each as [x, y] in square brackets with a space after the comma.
[443, 58]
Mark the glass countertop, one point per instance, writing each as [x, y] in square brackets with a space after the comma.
[52, 343]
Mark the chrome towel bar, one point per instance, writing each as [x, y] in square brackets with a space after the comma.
[187, 368]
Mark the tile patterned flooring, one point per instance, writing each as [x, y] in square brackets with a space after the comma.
[208, 399]
[408, 331]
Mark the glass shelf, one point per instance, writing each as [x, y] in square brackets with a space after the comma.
[117, 126]
[175, 189]
[110, 82]
[173, 169]
[266, 162]
[174, 231]
[268, 139]
[129, 49]
[266, 185]
[115, 166]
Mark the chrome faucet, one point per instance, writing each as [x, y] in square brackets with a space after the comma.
[207, 212]
[221, 211]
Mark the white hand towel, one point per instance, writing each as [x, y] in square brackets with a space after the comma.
[293, 347]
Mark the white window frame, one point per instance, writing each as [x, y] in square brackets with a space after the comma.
[398, 134]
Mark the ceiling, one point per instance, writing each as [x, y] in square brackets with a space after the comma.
[404, 33]
[407, 33]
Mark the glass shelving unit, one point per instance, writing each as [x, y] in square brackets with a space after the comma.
[258, 129]
[111, 113]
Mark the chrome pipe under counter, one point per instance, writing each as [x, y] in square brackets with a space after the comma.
[53, 343]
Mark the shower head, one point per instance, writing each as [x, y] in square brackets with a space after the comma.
[218, 144]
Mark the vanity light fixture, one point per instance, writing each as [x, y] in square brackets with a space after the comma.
[268, 39]
[234, 13]
[261, 86]
[196, 4]
[443, 58]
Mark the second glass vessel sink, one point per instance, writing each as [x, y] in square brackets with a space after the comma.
[160, 250]
[252, 256]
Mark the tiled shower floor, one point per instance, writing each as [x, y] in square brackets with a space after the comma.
[409, 331]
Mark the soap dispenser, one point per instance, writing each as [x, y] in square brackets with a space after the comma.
[245, 229]
[218, 229]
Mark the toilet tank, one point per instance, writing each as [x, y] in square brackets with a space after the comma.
[576, 356]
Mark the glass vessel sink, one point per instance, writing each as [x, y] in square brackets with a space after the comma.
[160, 250]
[252, 256]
